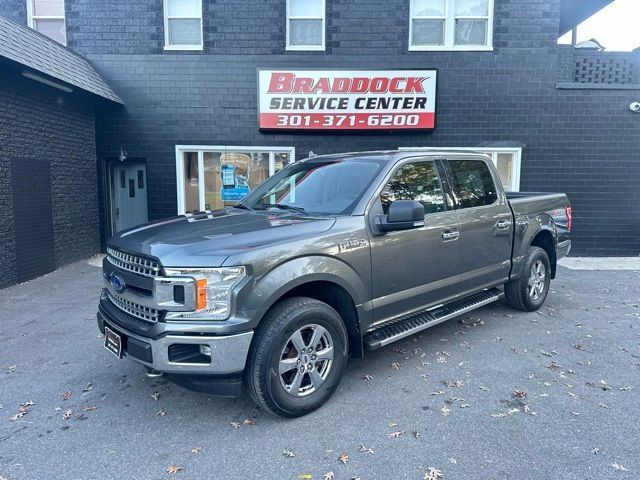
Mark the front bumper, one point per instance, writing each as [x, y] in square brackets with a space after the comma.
[227, 360]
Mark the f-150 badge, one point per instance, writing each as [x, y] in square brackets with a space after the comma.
[351, 244]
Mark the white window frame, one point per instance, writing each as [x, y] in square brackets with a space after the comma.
[324, 25]
[167, 45]
[449, 30]
[491, 151]
[201, 149]
[32, 19]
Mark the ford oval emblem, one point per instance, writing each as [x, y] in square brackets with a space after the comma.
[117, 282]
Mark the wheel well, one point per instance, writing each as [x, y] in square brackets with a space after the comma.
[340, 300]
[544, 240]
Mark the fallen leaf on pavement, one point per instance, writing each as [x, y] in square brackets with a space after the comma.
[196, 449]
[433, 474]
[394, 434]
[155, 395]
[329, 476]
[235, 424]
[67, 415]
[174, 469]
[344, 458]
[305, 476]
[249, 421]
[161, 412]
[457, 383]
[89, 409]
[395, 366]
[392, 424]
[519, 394]
[288, 453]
[67, 395]
[366, 378]
[445, 410]
[617, 466]
[595, 450]
[364, 448]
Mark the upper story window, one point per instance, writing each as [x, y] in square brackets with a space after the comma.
[451, 25]
[47, 17]
[305, 24]
[183, 24]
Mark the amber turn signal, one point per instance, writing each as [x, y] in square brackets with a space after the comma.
[201, 293]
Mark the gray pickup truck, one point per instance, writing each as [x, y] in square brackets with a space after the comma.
[329, 257]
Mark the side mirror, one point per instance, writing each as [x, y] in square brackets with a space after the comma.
[403, 215]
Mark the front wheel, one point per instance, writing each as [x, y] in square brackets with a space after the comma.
[529, 291]
[297, 358]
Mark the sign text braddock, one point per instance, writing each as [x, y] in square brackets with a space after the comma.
[347, 99]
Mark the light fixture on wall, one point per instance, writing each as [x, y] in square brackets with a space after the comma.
[46, 81]
[123, 155]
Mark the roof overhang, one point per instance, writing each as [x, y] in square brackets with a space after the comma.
[574, 12]
[46, 61]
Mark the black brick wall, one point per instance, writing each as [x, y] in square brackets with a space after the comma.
[583, 142]
[41, 124]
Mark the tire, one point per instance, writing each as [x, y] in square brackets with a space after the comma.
[520, 293]
[274, 346]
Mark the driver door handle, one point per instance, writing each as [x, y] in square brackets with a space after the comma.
[503, 224]
[450, 235]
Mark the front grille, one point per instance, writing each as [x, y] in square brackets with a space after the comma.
[133, 263]
[135, 310]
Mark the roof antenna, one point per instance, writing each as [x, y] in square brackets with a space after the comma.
[311, 154]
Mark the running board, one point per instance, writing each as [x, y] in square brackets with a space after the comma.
[418, 321]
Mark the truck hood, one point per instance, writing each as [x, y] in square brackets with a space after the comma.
[208, 239]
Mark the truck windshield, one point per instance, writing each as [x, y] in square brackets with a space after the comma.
[326, 188]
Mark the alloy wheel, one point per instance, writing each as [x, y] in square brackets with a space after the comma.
[306, 359]
[537, 280]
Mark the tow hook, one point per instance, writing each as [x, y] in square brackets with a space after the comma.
[153, 373]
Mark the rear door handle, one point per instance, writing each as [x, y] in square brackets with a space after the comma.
[503, 224]
[449, 235]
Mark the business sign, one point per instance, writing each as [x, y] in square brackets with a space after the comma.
[347, 99]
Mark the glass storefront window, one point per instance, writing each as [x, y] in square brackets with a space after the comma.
[226, 175]
[191, 183]
[504, 164]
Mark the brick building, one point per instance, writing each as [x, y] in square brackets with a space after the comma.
[553, 117]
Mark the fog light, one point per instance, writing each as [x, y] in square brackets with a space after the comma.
[205, 350]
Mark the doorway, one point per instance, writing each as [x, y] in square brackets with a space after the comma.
[128, 182]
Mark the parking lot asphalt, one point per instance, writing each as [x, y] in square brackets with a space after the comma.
[497, 394]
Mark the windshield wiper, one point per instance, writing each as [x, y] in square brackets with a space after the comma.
[284, 206]
[245, 207]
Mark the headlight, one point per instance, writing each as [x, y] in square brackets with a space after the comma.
[213, 291]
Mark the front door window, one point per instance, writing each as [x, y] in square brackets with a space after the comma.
[216, 177]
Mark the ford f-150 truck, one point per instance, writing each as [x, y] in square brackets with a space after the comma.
[329, 257]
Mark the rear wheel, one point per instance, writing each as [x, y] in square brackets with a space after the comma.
[297, 358]
[529, 291]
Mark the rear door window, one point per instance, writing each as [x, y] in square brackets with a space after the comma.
[473, 183]
[415, 181]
